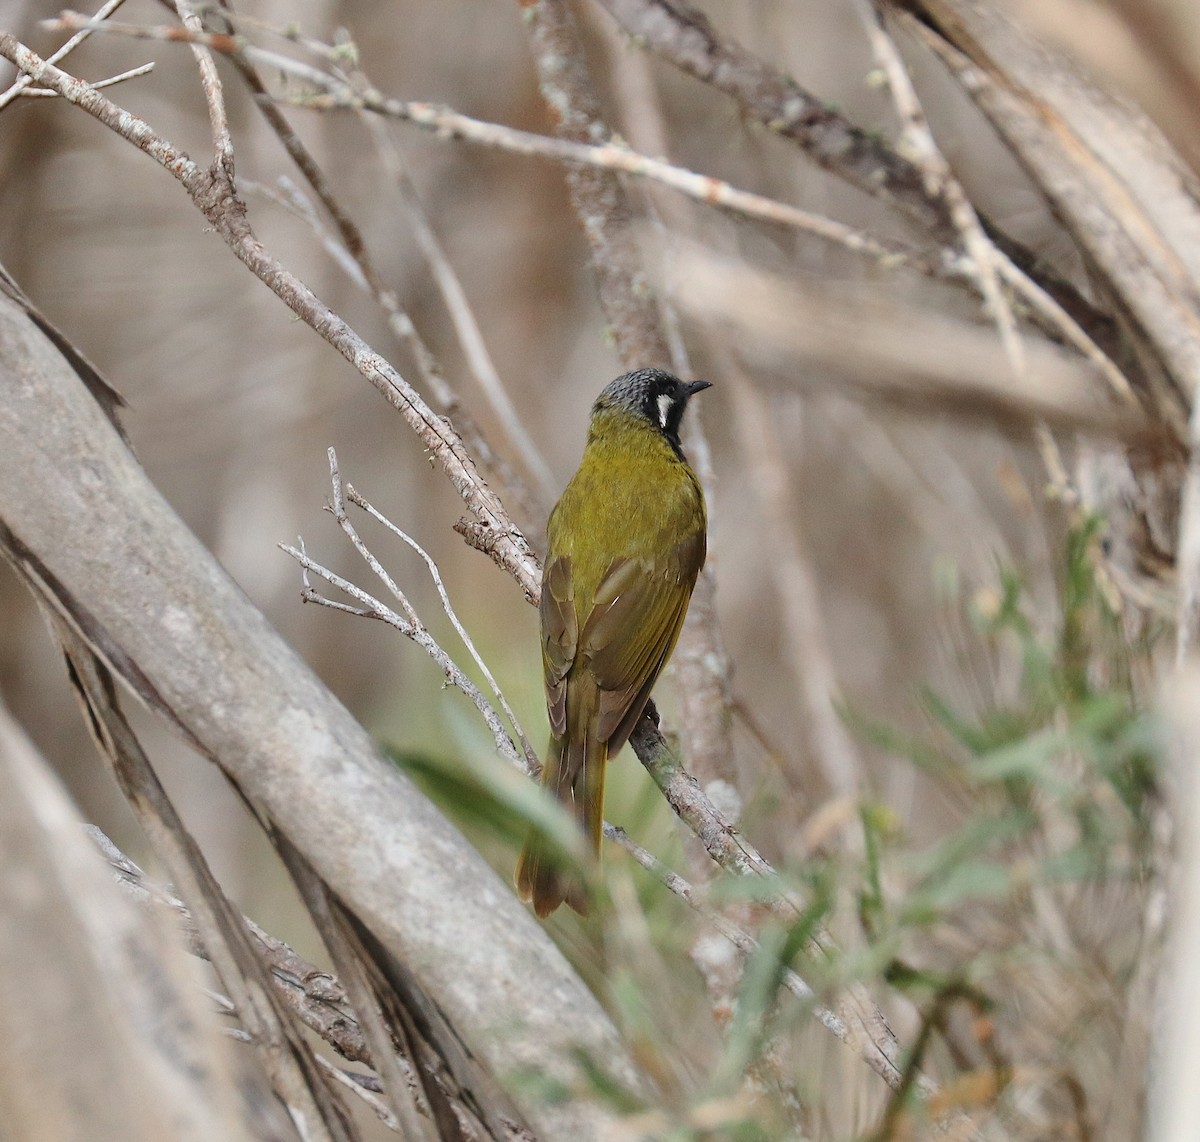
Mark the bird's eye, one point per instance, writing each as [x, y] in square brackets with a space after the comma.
[664, 409]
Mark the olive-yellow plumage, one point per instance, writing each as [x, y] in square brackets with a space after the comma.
[625, 543]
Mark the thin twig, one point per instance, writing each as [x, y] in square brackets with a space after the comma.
[347, 1081]
[354, 259]
[615, 156]
[99, 84]
[612, 156]
[940, 183]
[411, 627]
[214, 95]
[20, 86]
[458, 307]
[287, 195]
[447, 606]
[983, 258]
[492, 531]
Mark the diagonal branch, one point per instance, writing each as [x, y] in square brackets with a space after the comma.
[215, 195]
[679, 32]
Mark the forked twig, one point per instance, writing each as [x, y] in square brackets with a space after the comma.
[23, 84]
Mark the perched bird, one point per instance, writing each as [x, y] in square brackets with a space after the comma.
[625, 543]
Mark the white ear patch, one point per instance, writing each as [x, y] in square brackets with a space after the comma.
[664, 408]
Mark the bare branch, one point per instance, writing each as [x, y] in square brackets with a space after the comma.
[214, 96]
[608, 156]
[679, 32]
[353, 258]
[21, 85]
[436, 575]
[492, 531]
[99, 84]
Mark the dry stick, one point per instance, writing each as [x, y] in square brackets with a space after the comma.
[613, 156]
[610, 156]
[214, 96]
[22, 84]
[355, 248]
[409, 626]
[382, 1111]
[916, 137]
[982, 257]
[340, 495]
[351, 967]
[451, 614]
[682, 35]
[310, 992]
[98, 84]
[458, 307]
[214, 194]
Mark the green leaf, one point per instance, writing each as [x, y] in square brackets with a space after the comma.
[495, 797]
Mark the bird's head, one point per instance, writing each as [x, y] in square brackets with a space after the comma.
[652, 395]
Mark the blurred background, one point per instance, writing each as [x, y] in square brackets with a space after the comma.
[852, 539]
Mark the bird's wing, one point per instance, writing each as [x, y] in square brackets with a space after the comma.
[632, 629]
[560, 637]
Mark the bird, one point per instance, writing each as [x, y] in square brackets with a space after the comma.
[625, 543]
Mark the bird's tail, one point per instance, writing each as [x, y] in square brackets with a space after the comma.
[574, 773]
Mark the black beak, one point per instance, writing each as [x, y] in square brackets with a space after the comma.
[694, 387]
